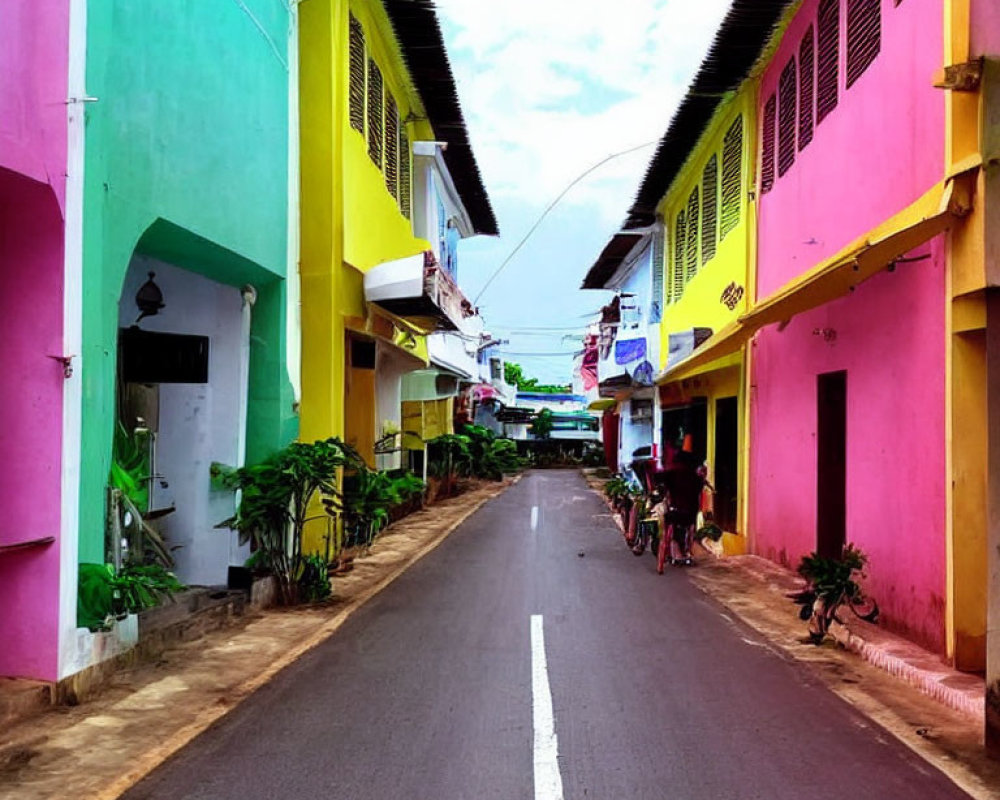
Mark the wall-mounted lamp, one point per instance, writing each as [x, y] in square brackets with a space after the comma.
[149, 299]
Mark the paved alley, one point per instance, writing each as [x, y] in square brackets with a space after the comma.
[534, 618]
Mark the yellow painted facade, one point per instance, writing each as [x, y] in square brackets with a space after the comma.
[966, 370]
[719, 292]
[350, 221]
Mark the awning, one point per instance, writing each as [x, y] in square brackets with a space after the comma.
[602, 404]
[726, 342]
[934, 213]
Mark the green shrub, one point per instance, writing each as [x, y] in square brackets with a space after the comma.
[105, 595]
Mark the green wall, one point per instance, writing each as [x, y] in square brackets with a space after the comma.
[186, 160]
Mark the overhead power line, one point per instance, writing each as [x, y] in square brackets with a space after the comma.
[552, 205]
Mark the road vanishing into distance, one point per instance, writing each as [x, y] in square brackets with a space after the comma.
[531, 656]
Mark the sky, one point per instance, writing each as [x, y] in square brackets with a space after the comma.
[549, 88]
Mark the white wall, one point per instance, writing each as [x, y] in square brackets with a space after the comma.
[390, 366]
[199, 423]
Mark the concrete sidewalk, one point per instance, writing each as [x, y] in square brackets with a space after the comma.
[99, 749]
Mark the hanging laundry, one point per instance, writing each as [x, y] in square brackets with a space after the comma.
[630, 350]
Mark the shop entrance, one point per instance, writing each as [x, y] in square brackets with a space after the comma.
[831, 463]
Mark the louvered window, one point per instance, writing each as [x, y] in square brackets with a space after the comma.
[691, 246]
[391, 145]
[786, 117]
[807, 76]
[827, 56]
[677, 273]
[709, 209]
[767, 145]
[864, 36]
[732, 174]
[357, 79]
[375, 128]
[656, 306]
[404, 172]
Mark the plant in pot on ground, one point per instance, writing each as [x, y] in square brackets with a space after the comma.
[832, 584]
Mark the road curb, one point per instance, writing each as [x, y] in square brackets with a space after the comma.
[176, 741]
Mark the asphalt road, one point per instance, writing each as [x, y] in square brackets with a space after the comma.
[427, 692]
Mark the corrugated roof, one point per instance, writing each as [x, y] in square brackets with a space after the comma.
[610, 259]
[738, 44]
[419, 35]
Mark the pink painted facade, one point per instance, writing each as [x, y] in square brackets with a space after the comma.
[33, 90]
[876, 152]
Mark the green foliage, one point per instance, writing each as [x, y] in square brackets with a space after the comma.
[130, 465]
[448, 456]
[490, 456]
[542, 425]
[276, 496]
[514, 375]
[834, 579]
[105, 595]
[314, 579]
[369, 497]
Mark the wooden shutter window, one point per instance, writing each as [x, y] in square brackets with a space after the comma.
[732, 174]
[807, 77]
[864, 36]
[356, 90]
[375, 103]
[656, 307]
[404, 172]
[709, 208]
[787, 91]
[677, 273]
[391, 146]
[767, 146]
[827, 56]
[691, 247]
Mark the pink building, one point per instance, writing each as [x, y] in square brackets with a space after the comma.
[34, 37]
[848, 396]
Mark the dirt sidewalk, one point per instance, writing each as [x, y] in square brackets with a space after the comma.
[99, 749]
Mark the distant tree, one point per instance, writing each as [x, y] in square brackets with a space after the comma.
[542, 424]
[514, 375]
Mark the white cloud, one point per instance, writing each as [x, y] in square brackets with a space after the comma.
[550, 87]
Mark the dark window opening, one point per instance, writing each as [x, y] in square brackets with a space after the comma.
[767, 145]
[151, 357]
[807, 77]
[827, 57]
[864, 36]
[732, 177]
[786, 118]
[362, 354]
[709, 209]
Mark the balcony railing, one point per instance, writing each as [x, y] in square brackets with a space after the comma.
[417, 287]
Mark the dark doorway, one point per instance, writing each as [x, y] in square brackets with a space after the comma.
[831, 463]
[726, 461]
[686, 425]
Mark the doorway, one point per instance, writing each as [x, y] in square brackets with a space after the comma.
[831, 463]
[726, 461]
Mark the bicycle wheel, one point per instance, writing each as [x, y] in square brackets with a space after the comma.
[864, 608]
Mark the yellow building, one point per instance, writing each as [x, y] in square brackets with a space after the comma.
[387, 173]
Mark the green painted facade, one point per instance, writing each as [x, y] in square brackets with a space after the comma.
[186, 161]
